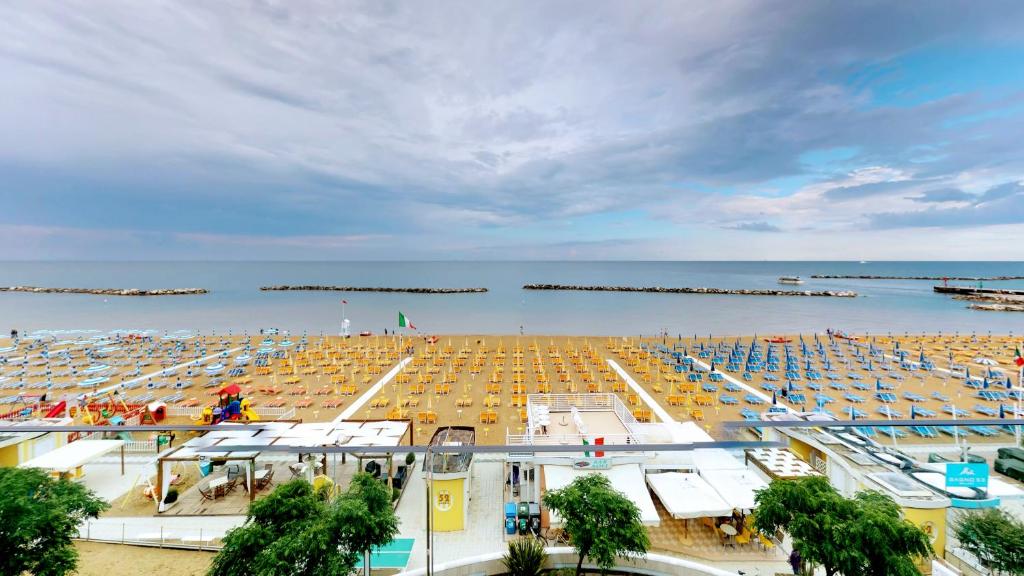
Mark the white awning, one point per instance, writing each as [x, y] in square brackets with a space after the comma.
[688, 495]
[628, 479]
[736, 487]
[73, 455]
[716, 459]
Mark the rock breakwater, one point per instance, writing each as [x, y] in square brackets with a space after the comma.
[107, 291]
[870, 277]
[698, 290]
[313, 288]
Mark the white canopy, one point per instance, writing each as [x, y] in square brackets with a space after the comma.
[688, 495]
[73, 455]
[715, 459]
[736, 487]
[627, 478]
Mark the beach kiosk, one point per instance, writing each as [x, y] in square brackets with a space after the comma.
[448, 476]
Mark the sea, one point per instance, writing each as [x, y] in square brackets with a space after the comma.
[235, 303]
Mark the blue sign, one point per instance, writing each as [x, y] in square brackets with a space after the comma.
[966, 475]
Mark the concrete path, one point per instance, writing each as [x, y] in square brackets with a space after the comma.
[663, 414]
[354, 408]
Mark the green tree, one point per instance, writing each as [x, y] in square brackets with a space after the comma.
[38, 518]
[602, 522]
[849, 536]
[365, 515]
[297, 531]
[995, 537]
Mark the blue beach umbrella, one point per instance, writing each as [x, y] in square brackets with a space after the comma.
[878, 384]
[913, 415]
[984, 383]
[920, 358]
[1009, 384]
[1002, 411]
[853, 413]
[775, 400]
[967, 375]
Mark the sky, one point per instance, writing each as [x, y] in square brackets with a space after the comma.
[305, 130]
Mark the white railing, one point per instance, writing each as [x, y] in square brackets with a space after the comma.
[582, 402]
[572, 439]
[190, 411]
[140, 446]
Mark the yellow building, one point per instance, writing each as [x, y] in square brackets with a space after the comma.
[19, 447]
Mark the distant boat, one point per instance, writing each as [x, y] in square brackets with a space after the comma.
[790, 280]
[863, 261]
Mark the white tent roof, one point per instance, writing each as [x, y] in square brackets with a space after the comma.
[715, 459]
[627, 478]
[736, 487]
[688, 495]
[73, 455]
[688, 432]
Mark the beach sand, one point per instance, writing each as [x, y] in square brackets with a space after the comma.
[97, 559]
[482, 380]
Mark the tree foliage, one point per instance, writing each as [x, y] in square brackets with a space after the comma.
[298, 532]
[849, 536]
[39, 516]
[996, 538]
[602, 522]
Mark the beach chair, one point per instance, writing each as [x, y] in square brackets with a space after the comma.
[753, 400]
[728, 400]
[984, 431]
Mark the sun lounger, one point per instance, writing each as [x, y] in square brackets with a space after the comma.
[751, 399]
[925, 431]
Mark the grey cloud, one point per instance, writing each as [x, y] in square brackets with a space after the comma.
[943, 195]
[754, 227]
[1007, 207]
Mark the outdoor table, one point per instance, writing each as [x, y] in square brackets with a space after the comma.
[217, 486]
[729, 530]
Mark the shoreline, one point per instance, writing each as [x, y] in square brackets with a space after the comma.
[873, 277]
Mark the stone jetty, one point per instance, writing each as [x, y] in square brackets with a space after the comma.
[958, 278]
[312, 288]
[662, 290]
[998, 307]
[971, 290]
[107, 291]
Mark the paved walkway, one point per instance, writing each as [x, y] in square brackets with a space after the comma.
[663, 414]
[354, 408]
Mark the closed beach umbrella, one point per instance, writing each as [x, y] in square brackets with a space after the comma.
[984, 383]
[967, 374]
[878, 384]
[1002, 411]
[913, 415]
[1009, 384]
[774, 399]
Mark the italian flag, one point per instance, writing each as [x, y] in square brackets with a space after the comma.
[1017, 358]
[404, 322]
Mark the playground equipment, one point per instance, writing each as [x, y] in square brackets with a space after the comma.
[230, 407]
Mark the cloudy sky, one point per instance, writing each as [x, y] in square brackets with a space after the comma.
[492, 130]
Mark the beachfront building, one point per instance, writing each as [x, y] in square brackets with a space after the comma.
[927, 494]
[17, 448]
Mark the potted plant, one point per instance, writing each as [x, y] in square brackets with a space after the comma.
[410, 458]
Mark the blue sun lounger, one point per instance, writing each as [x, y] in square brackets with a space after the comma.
[749, 415]
[751, 399]
[958, 412]
[889, 411]
[925, 431]
[797, 398]
[853, 412]
[728, 400]
[814, 386]
[986, 410]
[823, 399]
[716, 377]
[914, 397]
[985, 431]
[730, 387]
[887, 397]
[940, 396]
[838, 386]
[992, 395]
[924, 412]
[891, 431]
[862, 386]
[709, 387]
[851, 397]
[950, 431]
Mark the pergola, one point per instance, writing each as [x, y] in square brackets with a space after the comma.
[375, 435]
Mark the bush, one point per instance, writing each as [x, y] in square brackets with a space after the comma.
[525, 557]
[410, 458]
[172, 496]
[395, 493]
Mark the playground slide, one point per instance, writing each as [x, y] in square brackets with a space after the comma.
[57, 409]
[250, 415]
[126, 436]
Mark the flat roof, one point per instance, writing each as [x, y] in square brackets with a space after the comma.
[73, 455]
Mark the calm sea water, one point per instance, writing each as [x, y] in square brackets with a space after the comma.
[235, 303]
